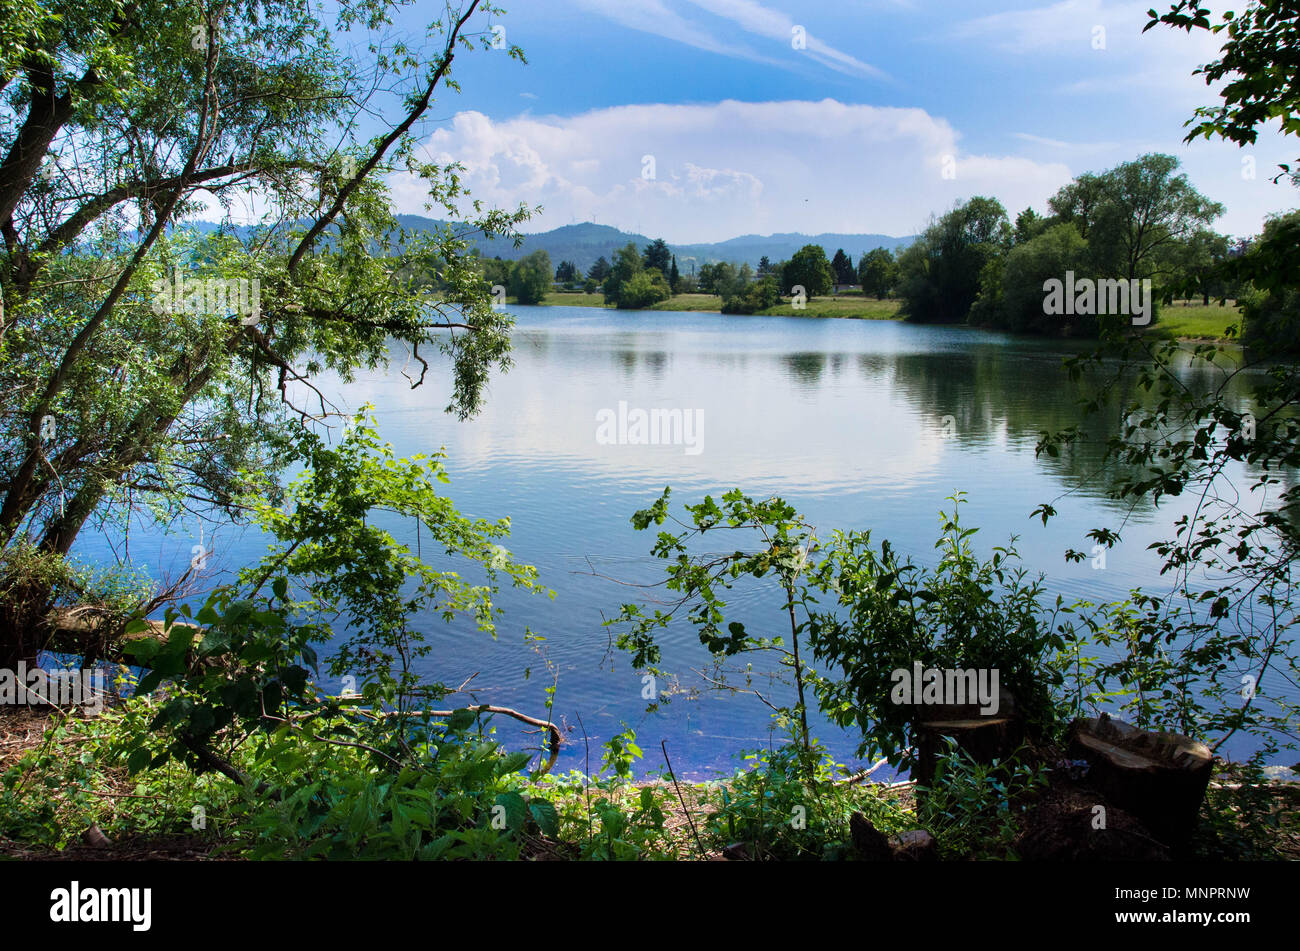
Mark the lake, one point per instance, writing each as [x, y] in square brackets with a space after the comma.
[858, 424]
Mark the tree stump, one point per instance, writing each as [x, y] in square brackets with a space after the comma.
[1160, 778]
[77, 631]
[872, 845]
[984, 737]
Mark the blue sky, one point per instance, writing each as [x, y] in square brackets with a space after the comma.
[892, 110]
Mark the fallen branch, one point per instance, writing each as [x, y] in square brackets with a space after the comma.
[556, 737]
[863, 774]
[212, 761]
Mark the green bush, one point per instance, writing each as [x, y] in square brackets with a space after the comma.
[964, 613]
[755, 296]
[974, 810]
[779, 810]
[643, 289]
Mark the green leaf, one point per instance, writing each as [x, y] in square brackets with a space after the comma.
[143, 650]
[547, 819]
[460, 719]
[516, 810]
[148, 683]
[138, 760]
[513, 763]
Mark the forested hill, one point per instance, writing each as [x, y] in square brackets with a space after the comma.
[584, 243]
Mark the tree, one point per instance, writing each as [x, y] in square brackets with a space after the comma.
[496, 272]
[627, 263]
[877, 272]
[1080, 202]
[842, 267]
[657, 256]
[530, 278]
[939, 274]
[705, 280]
[1131, 215]
[764, 266]
[600, 270]
[1014, 299]
[1192, 263]
[809, 268]
[1271, 317]
[568, 273]
[107, 403]
[1029, 225]
[675, 277]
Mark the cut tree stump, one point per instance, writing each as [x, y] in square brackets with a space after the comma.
[872, 845]
[984, 737]
[75, 631]
[1159, 778]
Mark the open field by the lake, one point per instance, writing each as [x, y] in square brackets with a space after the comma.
[1196, 321]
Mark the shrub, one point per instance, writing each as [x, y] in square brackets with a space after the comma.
[756, 296]
[643, 289]
[964, 613]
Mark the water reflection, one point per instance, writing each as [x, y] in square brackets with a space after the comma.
[860, 424]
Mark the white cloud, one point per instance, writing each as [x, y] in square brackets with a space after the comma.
[1074, 146]
[654, 17]
[728, 168]
[764, 21]
[657, 18]
[1100, 46]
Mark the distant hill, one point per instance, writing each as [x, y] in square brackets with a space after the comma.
[584, 243]
[779, 247]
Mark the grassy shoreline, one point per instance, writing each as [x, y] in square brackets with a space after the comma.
[1184, 320]
[850, 305]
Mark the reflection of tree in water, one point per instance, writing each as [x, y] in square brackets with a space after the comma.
[629, 360]
[656, 361]
[804, 368]
[1017, 392]
[534, 343]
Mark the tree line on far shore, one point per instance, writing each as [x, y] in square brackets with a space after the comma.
[1142, 220]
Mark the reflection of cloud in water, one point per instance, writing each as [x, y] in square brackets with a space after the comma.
[761, 422]
[845, 419]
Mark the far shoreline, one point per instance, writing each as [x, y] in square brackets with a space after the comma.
[1187, 322]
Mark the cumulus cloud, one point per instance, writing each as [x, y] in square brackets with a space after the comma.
[706, 172]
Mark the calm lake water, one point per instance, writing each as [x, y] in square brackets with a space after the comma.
[858, 424]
